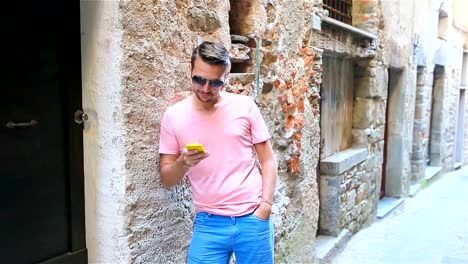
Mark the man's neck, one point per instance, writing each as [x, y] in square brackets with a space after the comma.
[206, 106]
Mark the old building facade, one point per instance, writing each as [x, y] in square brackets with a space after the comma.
[362, 103]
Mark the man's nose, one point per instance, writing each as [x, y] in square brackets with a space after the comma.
[206, 88]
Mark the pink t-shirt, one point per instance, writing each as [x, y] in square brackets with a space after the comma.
[228, 182]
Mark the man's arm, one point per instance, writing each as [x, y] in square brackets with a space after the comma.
[174, 167]
[269, 176]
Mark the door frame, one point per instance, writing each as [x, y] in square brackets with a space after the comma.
[74, 132]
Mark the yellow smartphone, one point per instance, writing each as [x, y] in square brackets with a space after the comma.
[195, 146]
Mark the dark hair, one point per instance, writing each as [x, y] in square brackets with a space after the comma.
[211, 53]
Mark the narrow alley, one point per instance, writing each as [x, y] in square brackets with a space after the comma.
[432, 227]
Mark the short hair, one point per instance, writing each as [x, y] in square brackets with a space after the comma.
[211, 53]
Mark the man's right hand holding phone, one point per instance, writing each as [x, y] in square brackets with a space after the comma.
[192, 154]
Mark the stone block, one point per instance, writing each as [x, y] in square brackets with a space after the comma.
[369, 86]
[330, 205]
[419, 112]
[200, 19]
[360, 137]
[241, 78]
[351, 199]
[380, 109]
[362, 193]
[418, 155]
[418, 168]
[342, 161]
[363, 114]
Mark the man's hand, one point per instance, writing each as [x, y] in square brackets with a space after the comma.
[190, 158]
[263, 211]
[174, 167]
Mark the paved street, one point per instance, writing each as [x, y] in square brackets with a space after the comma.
[430, 228]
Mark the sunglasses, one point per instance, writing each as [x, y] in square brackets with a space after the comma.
[200, 81]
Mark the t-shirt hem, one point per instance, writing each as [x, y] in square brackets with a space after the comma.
[260, 141]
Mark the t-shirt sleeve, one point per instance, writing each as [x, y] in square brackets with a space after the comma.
[257, 125]
[168, 143]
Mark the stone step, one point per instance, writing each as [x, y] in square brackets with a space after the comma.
[327, 247]
[414, 189]
[431, 171]
[387, 204]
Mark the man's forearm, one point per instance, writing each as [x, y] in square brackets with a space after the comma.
[172, 174]
[269, 177]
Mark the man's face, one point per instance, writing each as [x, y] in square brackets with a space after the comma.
[207, 80]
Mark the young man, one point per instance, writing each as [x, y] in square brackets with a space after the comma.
[233, 199]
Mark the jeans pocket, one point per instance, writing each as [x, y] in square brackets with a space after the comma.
[260, 219]
[200, 218]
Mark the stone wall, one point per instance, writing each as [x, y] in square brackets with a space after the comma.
[453, 90]
[421, 123]
[349, 198]
[358, 192]
[137, 61]
[158, 40]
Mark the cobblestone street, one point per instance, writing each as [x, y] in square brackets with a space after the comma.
[430, 228]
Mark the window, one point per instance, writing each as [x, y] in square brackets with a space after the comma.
[340, 10]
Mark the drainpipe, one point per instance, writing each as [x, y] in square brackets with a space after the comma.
[257, 69]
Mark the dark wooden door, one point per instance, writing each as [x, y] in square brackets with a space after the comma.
[41, 193]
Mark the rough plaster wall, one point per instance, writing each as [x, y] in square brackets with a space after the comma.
[452, 99]
[102, 135]
[291, 74]
[426, 20]
[397, 34]
[158, 40]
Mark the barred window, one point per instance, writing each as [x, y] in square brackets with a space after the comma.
[340, 10]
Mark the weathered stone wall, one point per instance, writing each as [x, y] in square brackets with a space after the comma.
[349, 198]
[136, 63]
[290, 78]
[432, 52]
[358, 192]
[421, 124]
[158, 40]
[448, 150]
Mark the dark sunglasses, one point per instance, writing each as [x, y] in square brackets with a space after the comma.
[200, 81]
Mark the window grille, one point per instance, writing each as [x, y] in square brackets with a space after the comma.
[340, 10]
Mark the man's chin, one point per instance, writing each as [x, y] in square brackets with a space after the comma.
[204, 98]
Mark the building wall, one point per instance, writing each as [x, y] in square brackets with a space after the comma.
[103, 135]
[145, 48]
[136, 57]
[432, 50]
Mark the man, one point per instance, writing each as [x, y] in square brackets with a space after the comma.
[233, 199]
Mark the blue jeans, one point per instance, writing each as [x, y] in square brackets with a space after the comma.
[216, 238]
